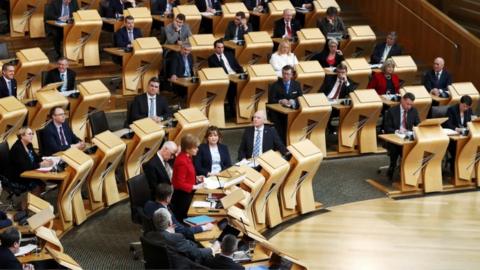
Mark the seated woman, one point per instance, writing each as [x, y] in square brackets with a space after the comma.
[331, 56]
[212, 157]
[282, 57]
[385, 82]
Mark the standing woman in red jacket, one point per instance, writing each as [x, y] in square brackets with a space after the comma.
[184, 178]
[386, 81]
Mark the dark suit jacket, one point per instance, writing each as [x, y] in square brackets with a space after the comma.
[430, 80]
[203, 159]
[251, 4]
[379, 83]
[329, 83]
[454, 120]
[121, 37]
[51, 139]
[279, 28]
[213, 61]
[54, 10]
[326, 27]
[8, 259]
[378, 52]
[140, 107]
[299, 3]
[322, 58]
[222, 262]
[54, 76]
[4, 88]
[115, 7]
[277, 91]
[156, 173]
[177, 66]
[202, 5]
[158, 7]
[20, 161]
[392, 119]
[231, 28]
[271, 140]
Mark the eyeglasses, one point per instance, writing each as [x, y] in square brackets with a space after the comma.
[29, 133]
[59, 114]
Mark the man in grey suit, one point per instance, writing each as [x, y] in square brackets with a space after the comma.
[177, 32]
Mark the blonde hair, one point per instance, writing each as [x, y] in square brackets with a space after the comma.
[388, 63]
[22, 131]
[284, 43]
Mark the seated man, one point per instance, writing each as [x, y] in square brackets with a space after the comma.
[62, 74]
[8, 84]
[338, 86]
[331, 23]
[57, 135]
[163, 195]
[127, 34]
[59, 10]
[438, 79]
[229, 63]
[115, 8]
[208, 5]
[386, 49]
[260, 6]
[177, 32]
[165, 233]
[163, 7]
[150, 104]
[238, 27]
[181, 66]
[10, 244]
[159, 169]
[400, 118]
[285, 91]
[224, 259]
[286, 27]
[259, 138]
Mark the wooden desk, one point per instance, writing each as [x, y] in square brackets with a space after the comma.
[202, 48]
[12, 115]
[361, 43]
[358, 70]
[257, 46]
[310, 75]
[319, 10]
[405, 68]
[188, 85]
[198, 211]
[466, 156]
[423, 100]
[31, 63]
[192, 14]
[116, 24]
[459, 89]
[27, 16]
[310, 41]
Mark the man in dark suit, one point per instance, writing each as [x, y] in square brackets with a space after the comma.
[150, 104]
[386, 49]
[285, 91]
[181, 66]
[401, 118]
[62, 74]
[159, 168]
[259, 139]
[230, 65]
[331, 23]
[59, 10]
[8, 84]
[115, 7]
[257, 6]
[338, 86]
[224, 259]
[57, 135]
[237, 28]
[163, 7]
[438, 79]
[208, 5]
[10, 244]
[127, 34]
[286, 27]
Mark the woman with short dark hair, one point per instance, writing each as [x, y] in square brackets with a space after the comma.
[212, 156]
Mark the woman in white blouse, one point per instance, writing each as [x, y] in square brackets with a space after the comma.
[213, 156]
[282, 57]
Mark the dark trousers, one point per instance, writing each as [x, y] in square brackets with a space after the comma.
[394, 151]
[180, 203]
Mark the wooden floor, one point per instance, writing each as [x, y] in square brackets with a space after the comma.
[435, 232]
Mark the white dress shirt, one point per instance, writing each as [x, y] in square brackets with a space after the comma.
[226, 63]
[385, 53]
[278, 61]
[166, 165]
[335, 87]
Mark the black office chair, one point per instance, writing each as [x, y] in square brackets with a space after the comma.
[98, 122]
[155, 254]
[41, 145]
[139, 194]
[4, 51]
[12, 188]
[128, 118]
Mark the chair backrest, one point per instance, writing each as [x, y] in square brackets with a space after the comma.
[98, 122]
[41, 147]
[3, 50]
[139, 194]
[128, 119]
[5, 168]
[147, 223]
[155, 254]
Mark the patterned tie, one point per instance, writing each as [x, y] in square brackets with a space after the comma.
[9, 86]
[30, 156]
[63, 140]
[130, 36]
[64, 85]
[151, 107]
[187, 67]
[287, 87]
[404, 120]
[256, 146]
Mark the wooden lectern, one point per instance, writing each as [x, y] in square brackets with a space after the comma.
[12, 115]
[296, 193]
[88, 4]
[145, 143]
[228, 14]
[192, 14]
[405, 68]
[362, 40]
[71, 206]
[319, 10]
[310, 75]
[358, 122]
[202, 48]
[94, 96]
[209, 97]
[311, 121]
[142, 64]
[254, 94]
[143, 19]
[32, 62]
[63, 259]
[257, 46]
[276, 9]
[358, 70]
[102, 184]
[423, 100]
[459, 89]
[190, 120]
[267, 205]
[81, 39]
[310, 40]
[27, 16]
[467, 156]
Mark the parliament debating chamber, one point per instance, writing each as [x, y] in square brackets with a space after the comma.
[230, 134]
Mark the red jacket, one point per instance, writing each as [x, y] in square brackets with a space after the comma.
[379, 83]
[183, 176]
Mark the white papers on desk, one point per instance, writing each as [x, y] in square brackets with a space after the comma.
[252, 163]
[302, 9]
[68, 93]
[214, 182]
[333, 101]
[25, 249]
[449, 132]
[400, 134]
[207, 14]
[55, 161]
[201, 204]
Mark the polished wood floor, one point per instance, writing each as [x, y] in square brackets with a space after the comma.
[435, 232]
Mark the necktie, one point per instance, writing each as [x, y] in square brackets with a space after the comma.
[236, 33]
[437, 75]
[30, 156]
[168, 169]
[9, 86]
[339, 88]
[287, 87]
[130, 35]
[63, 141]
[187, 67]
[64, 85]
[220, 58]
[289, 30]
[209, 4]
[404, 120]
[151, 107]
[256, 146]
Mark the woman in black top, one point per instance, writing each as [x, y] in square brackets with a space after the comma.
[331, 56]
[212, 156]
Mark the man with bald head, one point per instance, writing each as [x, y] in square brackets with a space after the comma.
[259, 138]
[286, 27]
[438, 79]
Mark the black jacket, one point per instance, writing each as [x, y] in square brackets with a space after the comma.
[203, 159]
[155, 172]
[8, 259]
[213, 61]
[454, 120]
[231, 28]
[54, 76]
[202, 5]
[430, 80]
[378, 52]
[329, 83]
[177, 65]
[322, 58]
[54, 10]
[158, 7]
[222, 262]
[277, 91]
[392, 119]
[140, 107]
[279, 28]
[121, 37]
[4, 88]
[271, 141]
[51, 139]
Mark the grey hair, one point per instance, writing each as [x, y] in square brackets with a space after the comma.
[332, 41]
[162, 219]
[263, 114]
[388, 63]
[392, 35]
[170, 145]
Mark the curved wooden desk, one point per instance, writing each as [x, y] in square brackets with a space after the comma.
[12, 116]
[467, 156]
[32, 62]
[27, 16]
[191, 121]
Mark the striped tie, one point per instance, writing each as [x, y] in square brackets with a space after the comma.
[256, 145]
